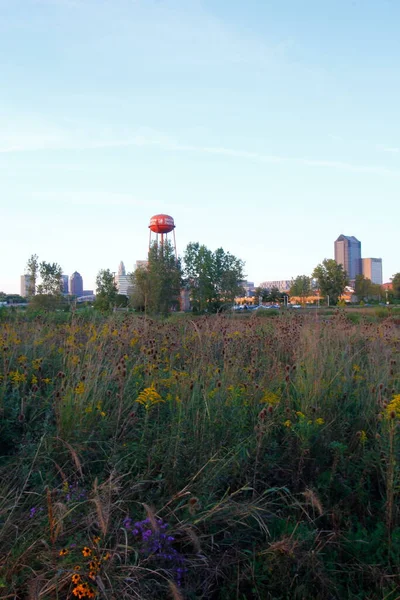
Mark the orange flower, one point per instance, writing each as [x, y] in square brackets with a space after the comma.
[107, 556]
[86, 551]
[96, 539]
[92, 574]
[63, 552]
[76, 578]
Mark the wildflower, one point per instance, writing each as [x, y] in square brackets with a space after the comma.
[77, 568]
[63, 552]
[149, 397]
[92, 574]
[288, 423]
[103, 414]
[75, 578]
[96, 539]
[393, 408]
[300, 414]
[319, 421]
[86, 551]
[363, 437]
[271, 398]
[80, 388]
[107, 556]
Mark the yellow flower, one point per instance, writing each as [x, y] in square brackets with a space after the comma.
[393, 408]
[22, 359]
[34, 380]
[319, 421]
[288, 423]
[63, 552]
[300, 414]
[46, 380]
[363, 437]
[271, 398]
[149, 397]
[80, 388]
[103, 414]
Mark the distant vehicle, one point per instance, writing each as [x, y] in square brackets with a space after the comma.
[295, 305]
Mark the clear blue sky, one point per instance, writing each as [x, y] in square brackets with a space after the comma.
[267, 127]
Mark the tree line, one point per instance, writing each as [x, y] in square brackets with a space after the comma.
[211, 279]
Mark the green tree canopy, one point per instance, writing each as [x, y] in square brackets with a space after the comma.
[156, 286]
[106, 290]
[331, 279]
[365, 289]
[51, 280]
[301, 286]
[32, 270]
[396, 286]
[213, 277]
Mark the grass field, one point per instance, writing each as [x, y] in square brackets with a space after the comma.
[216, 457]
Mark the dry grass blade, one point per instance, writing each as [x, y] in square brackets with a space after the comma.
[102, 509]
[74, 455]
[312, 498]
[175, 592]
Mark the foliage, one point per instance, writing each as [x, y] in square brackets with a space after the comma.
[12, 298]
[365, 289]
[51, 282]
[396, 286]
[301, 286]
[156, 287]
[214, 278]
[106, 290]
[32, 269]
[331, 279]
[202, 457]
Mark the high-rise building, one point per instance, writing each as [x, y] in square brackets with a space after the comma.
[76, 285]
[65, 286]
[122, 280]
[25, 283]
[348, 254]
[372, 269]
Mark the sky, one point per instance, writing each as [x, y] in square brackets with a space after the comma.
[265, 127]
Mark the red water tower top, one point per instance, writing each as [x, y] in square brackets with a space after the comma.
[161, 224]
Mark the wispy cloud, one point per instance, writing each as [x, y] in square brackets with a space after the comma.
[390, 149]
[56, 139]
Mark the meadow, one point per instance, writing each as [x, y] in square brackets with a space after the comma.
[210, 457]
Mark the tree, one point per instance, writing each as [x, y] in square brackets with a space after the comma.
[51, 280]
[331, 279]
[365, 289]
[213, 277]
[106, 290]
[32, 269]
[156, 286]
[396, 286]
[301, 286]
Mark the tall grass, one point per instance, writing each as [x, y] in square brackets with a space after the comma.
[213, 457]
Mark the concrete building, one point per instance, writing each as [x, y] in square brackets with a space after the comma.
[122, 280]
[372, 269]
[25, 283]
[348, 254]
[283, 285]
[76, 285]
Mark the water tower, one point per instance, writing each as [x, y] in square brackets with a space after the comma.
[162, 225]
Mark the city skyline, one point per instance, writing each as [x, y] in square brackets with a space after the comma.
[262, 127]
